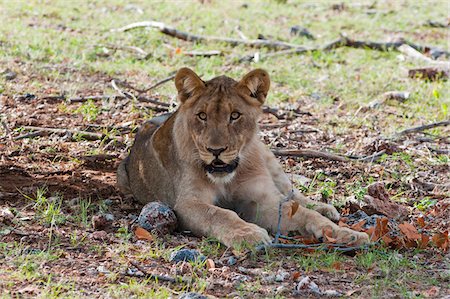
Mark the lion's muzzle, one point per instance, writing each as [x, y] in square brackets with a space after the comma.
[217, 166]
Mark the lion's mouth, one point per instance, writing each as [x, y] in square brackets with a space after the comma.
[218, 166]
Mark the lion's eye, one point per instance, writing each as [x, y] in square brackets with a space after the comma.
[202, 116]
[234, 115]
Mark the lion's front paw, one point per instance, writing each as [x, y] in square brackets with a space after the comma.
[345, 235]
[248, 234]
[328, 211]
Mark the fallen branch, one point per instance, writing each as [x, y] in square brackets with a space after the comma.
[413, 53]
[203, 53]
[168, 30]
[83, 134]
[310, 154]
[345, 41]
[156, 277]
[161, 106]
[424, 127]
[141, 54]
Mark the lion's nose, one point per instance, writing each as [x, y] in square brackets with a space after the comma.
[216, 151]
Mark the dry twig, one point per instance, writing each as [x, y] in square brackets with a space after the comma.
[84, 134]
[163, 28]
[310, 154]
[156, 277]
[424, 127]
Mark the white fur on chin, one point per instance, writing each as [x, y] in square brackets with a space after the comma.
[221, 180]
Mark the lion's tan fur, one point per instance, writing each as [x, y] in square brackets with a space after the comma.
[167, 164]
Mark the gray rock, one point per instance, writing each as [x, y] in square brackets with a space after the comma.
[158, 217]
[231, 261]
[192, 295]
[186, 255]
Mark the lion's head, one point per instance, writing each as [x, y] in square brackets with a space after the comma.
[217, 119]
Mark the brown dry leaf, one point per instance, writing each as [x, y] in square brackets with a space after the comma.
[142, 234]
[359, 226]
[328, 235]
[293, 209]
[210, 264]
[386, 240]
[381, 229]
[337, 266]
[441, 240]
[421, 221]
[409, 231]
[425, 240]
[296, 275]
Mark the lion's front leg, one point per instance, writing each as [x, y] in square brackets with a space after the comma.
[262, 194]
[205, 219]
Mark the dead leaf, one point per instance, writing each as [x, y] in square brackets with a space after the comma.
[327, 233]
[293, 209]
[381, 229]
[386, 240]
[409, 231]
[441, 240]
[386, 207]
[210, 264]
[142, 234]
[295, 275]
[421, 221]
[358, 226]
[424, 241]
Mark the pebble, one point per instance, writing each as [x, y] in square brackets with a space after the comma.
[186, 255]
[192, 295]
[301, 31]
[231, 261]
[158, 217]
[9, 75]
[282, 276]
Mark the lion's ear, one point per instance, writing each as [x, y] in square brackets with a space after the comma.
[187, 82]
[256, 84]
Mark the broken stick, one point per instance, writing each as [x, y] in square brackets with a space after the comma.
[163, 28]
[310, 154]
[424, 127]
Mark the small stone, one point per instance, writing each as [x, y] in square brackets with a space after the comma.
[158, 217]
[331, 293]
[282, 276]
[186, 255]
[6, 215]
[100, 222]
[108, 202]
[102, 269]
[9, 75]
[301, 31]
[231, 261]
[192, 295]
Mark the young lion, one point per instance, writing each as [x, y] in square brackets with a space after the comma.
[207, 163]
